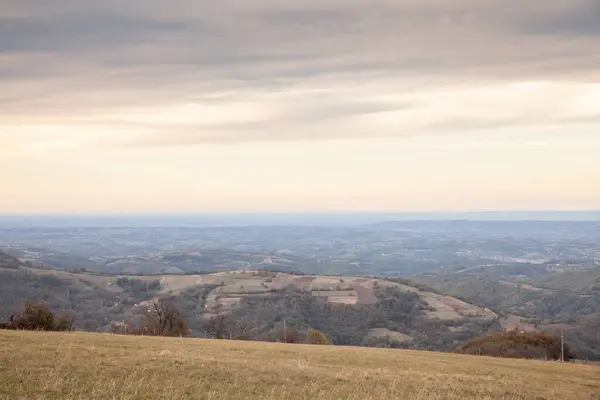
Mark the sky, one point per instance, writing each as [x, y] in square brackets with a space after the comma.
[328, 105]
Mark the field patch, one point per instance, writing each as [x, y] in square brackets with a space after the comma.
[442, 309]
[512, 322]
[365, 292]
[342, 297]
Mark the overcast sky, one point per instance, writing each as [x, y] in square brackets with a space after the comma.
[232, 105]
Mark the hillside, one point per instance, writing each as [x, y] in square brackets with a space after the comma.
[8, 261]
[587, 280]
[350, 310]
[568, 301]
[94, 366]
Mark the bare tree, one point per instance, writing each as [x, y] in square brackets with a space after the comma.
[64, 321]
[163, 318]
[242, 329]
[216, 327]
[287, 335]
[35, 316]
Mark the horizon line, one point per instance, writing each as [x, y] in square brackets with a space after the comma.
[292, 218]
[292, 212]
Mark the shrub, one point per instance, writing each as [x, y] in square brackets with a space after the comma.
[64, 322]
[287, 335]
[35, 317]
[317, 337]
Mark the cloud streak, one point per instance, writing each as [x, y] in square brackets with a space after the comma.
[308, 70]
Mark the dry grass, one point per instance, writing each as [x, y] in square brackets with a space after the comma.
[94, 366]
[342, 298]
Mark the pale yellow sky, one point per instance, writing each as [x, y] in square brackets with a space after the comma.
[461, 172]
[122, 108]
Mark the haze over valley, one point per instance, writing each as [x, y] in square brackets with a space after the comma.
[459, 278]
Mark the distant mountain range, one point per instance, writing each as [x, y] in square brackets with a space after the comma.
[280, 219]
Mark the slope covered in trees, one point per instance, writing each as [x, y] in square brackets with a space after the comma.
[8, 261]
[518, 344]
[257, 305]
[549, 308]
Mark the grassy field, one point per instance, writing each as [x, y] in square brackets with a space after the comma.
[94, 366]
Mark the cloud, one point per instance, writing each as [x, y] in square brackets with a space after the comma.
[303, 70]
[82, 33]
[581, 19]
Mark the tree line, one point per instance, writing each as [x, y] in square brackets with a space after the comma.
[158, 318]
[291, 316]
[36, 316]
[519, 344]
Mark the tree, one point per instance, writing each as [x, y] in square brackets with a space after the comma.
[286, 334]
[163, 318]
[64, 322]
[216, 326]
[5, 324]
[35, 316]
[242, 329]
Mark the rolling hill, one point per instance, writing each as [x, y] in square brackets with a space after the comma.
[100, 366]
[566, 301]
[582, 281]
[8, 261]
[350, 310]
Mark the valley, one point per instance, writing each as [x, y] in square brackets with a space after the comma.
[414, 284]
